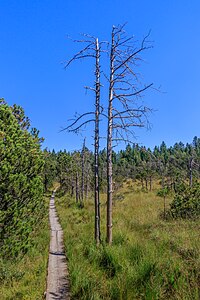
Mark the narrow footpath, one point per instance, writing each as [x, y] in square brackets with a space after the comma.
[58, 277]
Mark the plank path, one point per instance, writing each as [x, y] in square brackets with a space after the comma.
[58, 277]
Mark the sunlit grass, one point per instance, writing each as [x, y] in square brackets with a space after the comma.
[25, 277]
[150, 258]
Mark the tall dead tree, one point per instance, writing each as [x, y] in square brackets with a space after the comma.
[124, 111]
[96, 144]
[91, 50]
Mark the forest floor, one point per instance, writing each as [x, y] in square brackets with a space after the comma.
[57, 278]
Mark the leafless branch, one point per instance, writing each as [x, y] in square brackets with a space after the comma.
[76, 130]
[76, 121]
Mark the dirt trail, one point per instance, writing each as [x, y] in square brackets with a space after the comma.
[58, 277]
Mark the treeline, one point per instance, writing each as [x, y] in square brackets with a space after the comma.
[168, 166]
[26, 172]
[21, 180]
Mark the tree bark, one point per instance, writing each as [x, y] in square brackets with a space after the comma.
[146, 183]
[87, 187]
[190, 170]
[96, 147]
[150, 183]
[77, 188]
[83, 173]
[109, 146]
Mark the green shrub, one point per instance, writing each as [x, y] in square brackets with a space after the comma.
[186, 203]
[21, 183]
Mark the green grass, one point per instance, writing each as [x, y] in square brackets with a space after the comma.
[150, 258]
[25, 277]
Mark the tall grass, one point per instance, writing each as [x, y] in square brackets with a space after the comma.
[150, 258]
[25, 276]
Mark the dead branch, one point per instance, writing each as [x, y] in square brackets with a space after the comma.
[76, 130]
[76, 120]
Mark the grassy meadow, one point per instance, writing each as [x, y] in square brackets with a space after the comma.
[25, 276]
[150, 258]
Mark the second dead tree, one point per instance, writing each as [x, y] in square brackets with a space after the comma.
[124, 112]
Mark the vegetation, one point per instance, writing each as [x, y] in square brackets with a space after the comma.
[21, 183]
[24, 277]
[186, 203]
[24, 233]
[170, 166]
[150, 258]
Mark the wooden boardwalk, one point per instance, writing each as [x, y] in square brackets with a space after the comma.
[58, 277]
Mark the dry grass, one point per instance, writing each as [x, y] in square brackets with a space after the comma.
[150, 258]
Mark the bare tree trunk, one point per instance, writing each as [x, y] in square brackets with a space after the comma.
[142, 181]
[190, 169]
[83, 173]
[92, 50]
[86, 187]
[77, 188]
[109, 146]
[96, 147]
[164, 203]
[162, 181]
[150, 183]
[72, 190]
[146, 183]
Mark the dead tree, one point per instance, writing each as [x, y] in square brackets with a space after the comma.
[193, 166]
[124, 111]
[77, 187]
[91, 50]
[82, 172]
[96, 146]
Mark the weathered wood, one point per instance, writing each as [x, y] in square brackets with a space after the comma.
[57, 277]
[77, 187]
[109, 145]
[83, 172]
[96, 147]
[92, 50]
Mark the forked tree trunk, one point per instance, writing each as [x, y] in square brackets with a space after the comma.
[109, 146]
[96, 147]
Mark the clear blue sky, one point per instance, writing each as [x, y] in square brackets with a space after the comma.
[33, 43]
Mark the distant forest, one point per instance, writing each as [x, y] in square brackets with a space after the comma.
[169, 166]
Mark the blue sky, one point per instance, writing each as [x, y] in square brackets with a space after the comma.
[33, 45]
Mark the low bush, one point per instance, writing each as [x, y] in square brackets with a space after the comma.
[186, 202]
